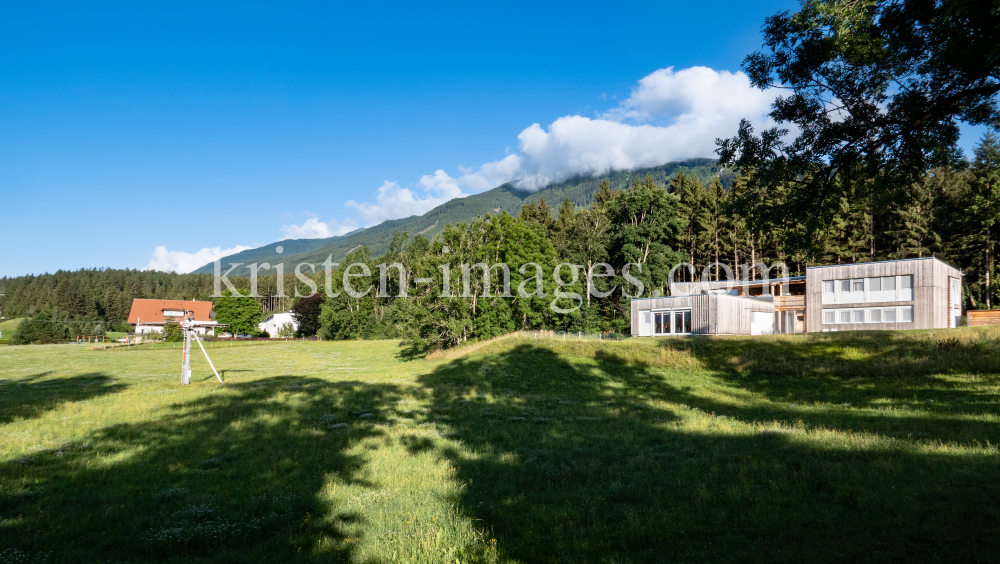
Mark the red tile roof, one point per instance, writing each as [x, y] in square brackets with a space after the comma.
[151, 311]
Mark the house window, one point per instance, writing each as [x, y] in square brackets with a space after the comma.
[906, 282]
[845, 285]
[906, 314]
[874, 284]
[675, 322]
[889, 283]
[889, 315]
[682, 321]
[828, 286]
[829, 316]
[845, 316]
[875, 315]
[857, 316]
[857, 285]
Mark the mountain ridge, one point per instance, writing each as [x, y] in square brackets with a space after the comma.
[579, 189]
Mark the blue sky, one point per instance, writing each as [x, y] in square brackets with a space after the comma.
[133, 133]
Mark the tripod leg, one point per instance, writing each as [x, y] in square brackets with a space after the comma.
[195, 335]
[186, 360]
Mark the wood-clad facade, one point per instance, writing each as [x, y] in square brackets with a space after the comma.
[923, 293]
[926, 294]
[710, 314]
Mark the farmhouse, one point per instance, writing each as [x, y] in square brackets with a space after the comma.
[921, 293]
[152, 315]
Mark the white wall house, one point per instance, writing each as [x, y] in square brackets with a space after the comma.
[273, 323]
[149, 316]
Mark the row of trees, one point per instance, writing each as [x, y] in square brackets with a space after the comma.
[96, 294]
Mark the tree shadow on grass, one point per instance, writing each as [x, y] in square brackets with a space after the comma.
[28, 398]
[580, 461]
[234, 476]
[861, 368]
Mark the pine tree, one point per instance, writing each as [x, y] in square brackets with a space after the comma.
[984, 209]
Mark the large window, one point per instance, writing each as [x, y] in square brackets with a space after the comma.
[672, 322]
[861, 290]
[862, 315]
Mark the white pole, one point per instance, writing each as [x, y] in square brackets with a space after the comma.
[206, 357]
[186, 359]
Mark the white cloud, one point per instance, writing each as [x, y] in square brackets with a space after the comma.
[394, 201]
[313, 228]
[669, 116]
[182, 262]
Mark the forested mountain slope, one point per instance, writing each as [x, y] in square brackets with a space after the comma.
[580, 190]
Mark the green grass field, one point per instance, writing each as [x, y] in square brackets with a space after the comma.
[8, 326]
[875, 447]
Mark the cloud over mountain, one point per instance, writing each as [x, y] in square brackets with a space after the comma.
[669, 116]
[183, 262]
[313, 228]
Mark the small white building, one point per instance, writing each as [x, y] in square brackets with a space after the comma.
[275, 321]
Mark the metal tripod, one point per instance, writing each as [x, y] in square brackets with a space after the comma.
[187, 327]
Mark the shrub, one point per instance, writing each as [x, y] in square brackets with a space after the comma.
[172, 332]
[39, 330]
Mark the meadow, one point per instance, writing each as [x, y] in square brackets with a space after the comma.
[865, 446]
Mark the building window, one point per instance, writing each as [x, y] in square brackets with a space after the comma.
[889, 315]
[673, 322]
[875, 315]
[829, 316]
[845, 285]
[828, 286]
[857, 285]
[857, 316]
[874, 284]
[889, 283]
[906, 282]
[845, 316]
[906, 314]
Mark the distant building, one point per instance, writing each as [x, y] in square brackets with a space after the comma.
[921, 293]
[275, 321]
[152, 315]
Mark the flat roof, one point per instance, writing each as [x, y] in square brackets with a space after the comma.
[881, 262]
[741, 282]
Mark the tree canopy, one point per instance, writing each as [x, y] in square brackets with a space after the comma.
[875, 91]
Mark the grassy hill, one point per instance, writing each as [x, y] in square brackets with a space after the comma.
[580, 190]
[8, 326]
[832, 447]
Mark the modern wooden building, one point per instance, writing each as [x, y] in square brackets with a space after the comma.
[922, 293]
